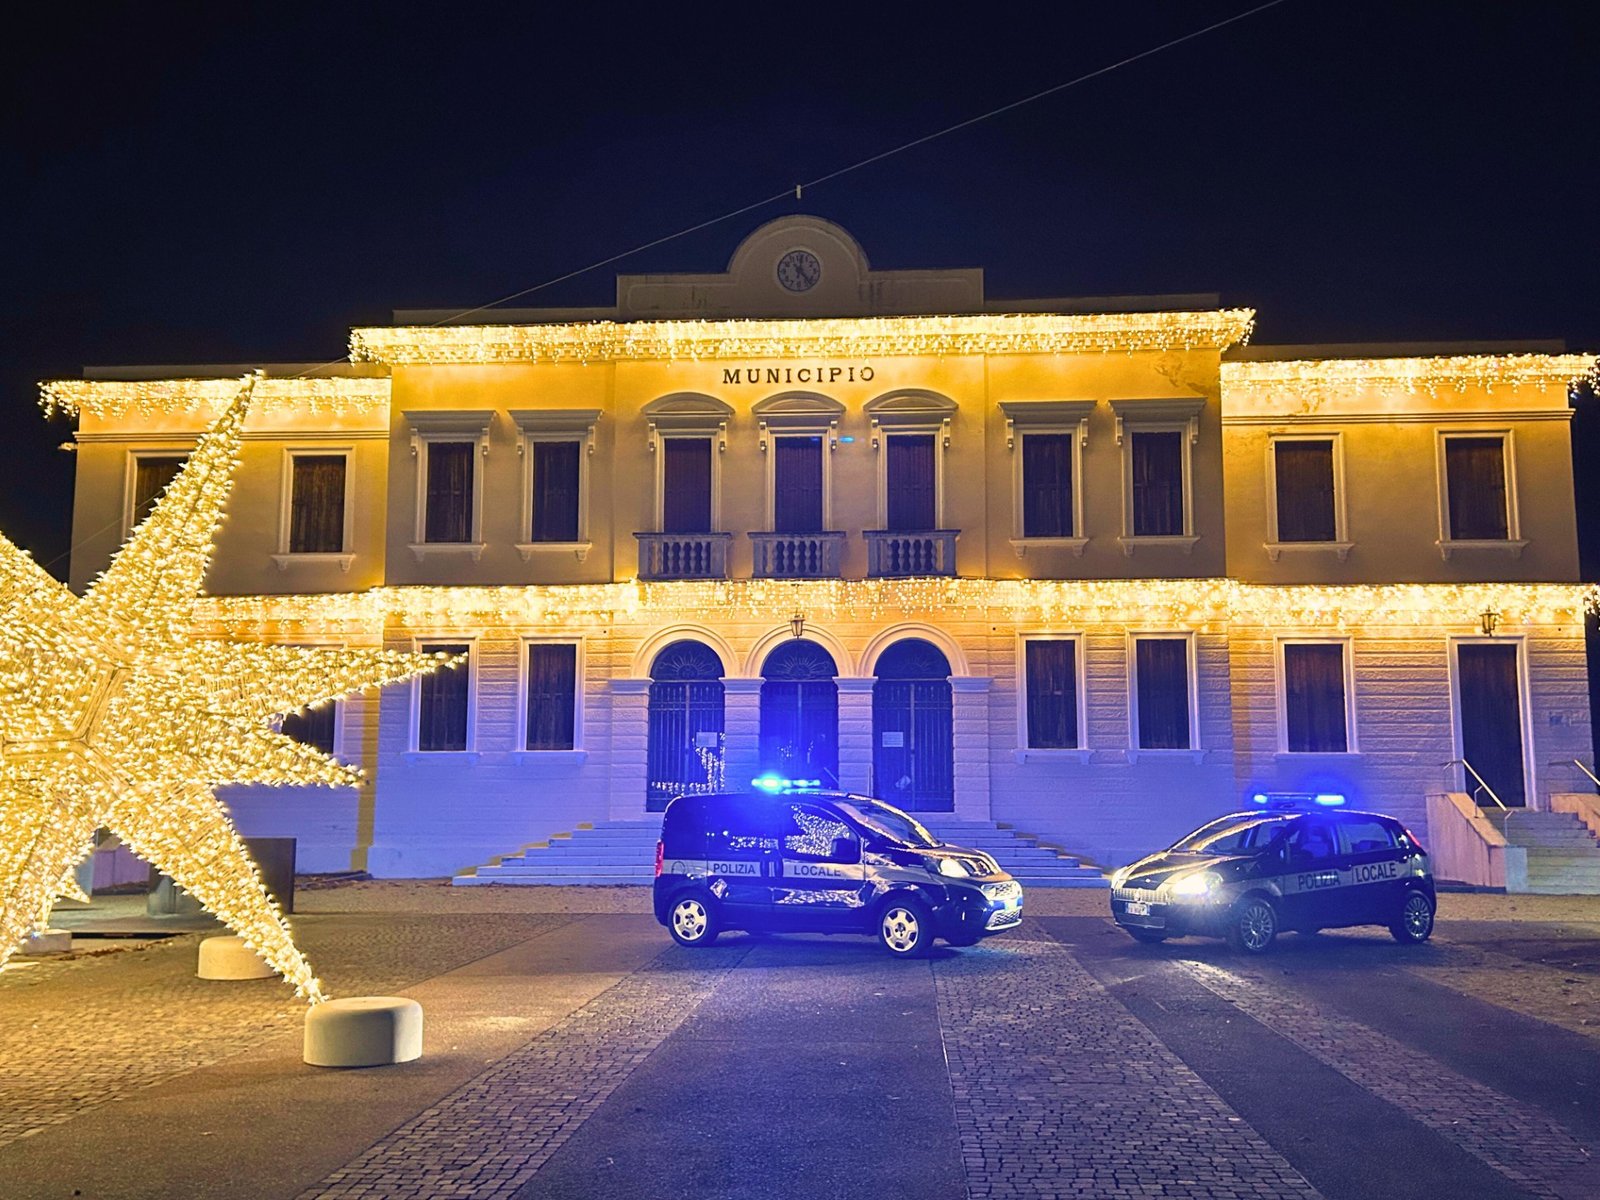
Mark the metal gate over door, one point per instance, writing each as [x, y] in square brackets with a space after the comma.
[913, 753]
[686, 723]
[800, 713]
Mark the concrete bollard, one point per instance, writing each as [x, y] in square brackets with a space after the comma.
[227, 957]
[46, 941]
[363, 1031]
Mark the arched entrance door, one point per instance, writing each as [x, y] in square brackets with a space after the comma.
[913, 755]
[800, 713]
[686, 723]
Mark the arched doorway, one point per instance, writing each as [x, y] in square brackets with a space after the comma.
[800, 713]
[913, 755]
[686, 723]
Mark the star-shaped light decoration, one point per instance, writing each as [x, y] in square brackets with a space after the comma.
[115, 713]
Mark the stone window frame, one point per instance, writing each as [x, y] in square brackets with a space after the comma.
[555, 425]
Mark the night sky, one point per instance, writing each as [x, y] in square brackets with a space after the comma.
[242, 183]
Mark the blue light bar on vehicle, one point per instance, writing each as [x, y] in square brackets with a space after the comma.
[774, 783]
[1298, 799]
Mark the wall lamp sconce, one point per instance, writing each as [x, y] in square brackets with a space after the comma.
[797, 625]
[1488, 621]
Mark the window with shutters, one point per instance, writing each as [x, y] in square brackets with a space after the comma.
[1478, 500]
[1052, 687]
[450, 447]
[686, 484]
[1314, 697]
[552, 696]
[555, 490]
[315, 521]
[1305, 485]
[1163, 713]
[1048, 495]
[1157, 464]
[1158, 438]
[148, 477]
[798, 484]
[442, 701]
[911, 482]
[556, 446]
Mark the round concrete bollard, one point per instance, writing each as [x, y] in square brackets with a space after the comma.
[46, 941]
[227, 957]
[363, 1031]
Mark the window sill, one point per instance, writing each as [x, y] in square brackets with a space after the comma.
[421, 550]
[1185, 543]
[1298, 755]
[284, 561]
[453, 757]
[1511, 546]
[1342, 549]
[551, 758]
[529, 549]
[1135, 754]
[1052, 754]
[1023, 544]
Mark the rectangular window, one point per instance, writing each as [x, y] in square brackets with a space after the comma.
[312, 726]
[1475, 487]
[1161, 688]
[316, 504]
[1052, 682]
[442, 701]
[909, 482]
[151, 475]
[1314, 707]
[556, 467]
[449, 492]
[1157, 469]
[1047, 485]
[686, 485]
[797, 485]
[552, 696]
[1303, 477]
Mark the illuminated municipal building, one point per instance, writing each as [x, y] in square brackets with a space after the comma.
[1095, 568]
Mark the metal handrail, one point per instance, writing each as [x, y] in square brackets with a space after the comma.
[1483, 784]
[1592, 777]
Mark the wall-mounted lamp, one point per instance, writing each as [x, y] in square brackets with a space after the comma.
[1488, 621]
[797, 625]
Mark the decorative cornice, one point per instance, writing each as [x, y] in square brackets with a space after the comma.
[204, 398]
[1296, 378]
[854, 337]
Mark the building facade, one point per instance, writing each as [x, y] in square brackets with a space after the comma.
[1092, 567]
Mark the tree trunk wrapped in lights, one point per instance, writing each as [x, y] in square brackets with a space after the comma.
[114, 713]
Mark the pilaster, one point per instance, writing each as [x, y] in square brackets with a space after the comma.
[741, 722]
[630, 747]
[855, 733]
[969, 721]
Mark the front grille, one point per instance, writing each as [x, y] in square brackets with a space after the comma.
[1005, 918]
[1148, 895]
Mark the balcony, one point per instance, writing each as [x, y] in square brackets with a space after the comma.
[895, 554]
[664, 556]
[797, 555]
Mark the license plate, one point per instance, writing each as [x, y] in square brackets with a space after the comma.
[1138, 908]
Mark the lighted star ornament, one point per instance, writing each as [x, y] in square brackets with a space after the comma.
[115, 713]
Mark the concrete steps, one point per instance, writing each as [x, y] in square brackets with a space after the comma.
[1563, 856]
[624, 852]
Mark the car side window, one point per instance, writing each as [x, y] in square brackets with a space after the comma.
[815, 835]
[1313, 842]
[1365, 836]
[737, 831]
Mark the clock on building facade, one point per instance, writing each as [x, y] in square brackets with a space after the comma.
[799, 270]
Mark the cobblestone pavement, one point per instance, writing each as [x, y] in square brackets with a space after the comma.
[79, 1034]
[1059, 1091]
[487, 1139]
[1518, 1141]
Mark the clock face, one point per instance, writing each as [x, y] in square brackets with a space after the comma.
[799, 270]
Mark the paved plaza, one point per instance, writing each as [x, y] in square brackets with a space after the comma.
[573, 1051]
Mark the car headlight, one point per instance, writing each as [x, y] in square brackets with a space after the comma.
[954, 868]
[1120, 876]
[1200, 883]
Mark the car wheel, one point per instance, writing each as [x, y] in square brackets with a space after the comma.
[692, 922]
[1148, 936]
[1415, 923]
[905, 929]
[1254, 925]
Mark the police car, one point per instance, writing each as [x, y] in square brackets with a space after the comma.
[1285, 865]
[789, 857]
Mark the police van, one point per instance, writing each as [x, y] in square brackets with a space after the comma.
[784, 858]
[1249, 875]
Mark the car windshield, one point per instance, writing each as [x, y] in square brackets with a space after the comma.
[888, 821]
[1232, 835]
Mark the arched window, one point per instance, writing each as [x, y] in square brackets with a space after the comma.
[800, 713]
[913, 755]
[686, 723]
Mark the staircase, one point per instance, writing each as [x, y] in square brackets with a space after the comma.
[1031, 862]
[1563, 856]
[624, 852]
[607, 852]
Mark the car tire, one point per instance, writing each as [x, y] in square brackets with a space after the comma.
[1415, 922]
[1148, 936]
[905, 928]
[692, 921]
[1253, 925]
